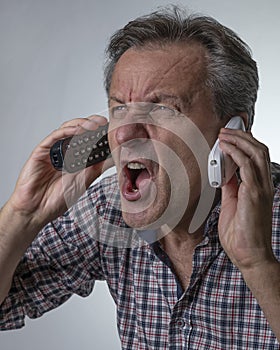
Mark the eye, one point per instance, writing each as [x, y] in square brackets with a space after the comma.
[118, 112]
[161, 111]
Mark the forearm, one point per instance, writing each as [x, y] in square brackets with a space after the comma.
[17, 231]
[264, 283]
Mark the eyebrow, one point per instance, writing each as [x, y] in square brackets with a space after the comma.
[115, 99]
[167, 97]
[156, 98]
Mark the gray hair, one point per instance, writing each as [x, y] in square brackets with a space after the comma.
[232, 74]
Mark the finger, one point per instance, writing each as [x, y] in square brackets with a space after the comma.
[61, 133]
[254, 150]
[99, 119]
[248, 172]
[244, 139]
[58, 134]
[93, 122]
[89, 123]
[74, 127]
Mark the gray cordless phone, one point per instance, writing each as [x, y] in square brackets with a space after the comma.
[80, 151]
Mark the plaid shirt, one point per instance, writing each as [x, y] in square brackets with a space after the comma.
[91, 242]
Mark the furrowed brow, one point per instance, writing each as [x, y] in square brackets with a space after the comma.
[114, 99]
[167, 97]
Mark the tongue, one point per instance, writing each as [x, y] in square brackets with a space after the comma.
[144, 175]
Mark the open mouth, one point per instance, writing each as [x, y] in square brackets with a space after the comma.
[137, 175]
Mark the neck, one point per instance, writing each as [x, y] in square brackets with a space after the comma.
[179, 245]
[181, 235]
[180, 238]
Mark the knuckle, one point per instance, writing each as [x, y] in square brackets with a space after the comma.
[256, 194]
[63, 125]
[248, 162]
[72, 122]
[261, 154]
[97, 118]
[264, 151]
[90, 121]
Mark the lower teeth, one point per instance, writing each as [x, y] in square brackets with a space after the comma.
[135, 190]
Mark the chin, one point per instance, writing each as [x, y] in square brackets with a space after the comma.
[136, 221]
[148, 218]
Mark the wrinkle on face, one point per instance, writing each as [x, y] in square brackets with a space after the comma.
[142, 80]
[174, 75]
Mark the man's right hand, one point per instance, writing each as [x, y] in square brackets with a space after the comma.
[43, 193]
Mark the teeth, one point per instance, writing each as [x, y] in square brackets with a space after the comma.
[135, 165]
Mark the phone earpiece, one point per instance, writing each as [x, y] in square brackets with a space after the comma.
[221, 167]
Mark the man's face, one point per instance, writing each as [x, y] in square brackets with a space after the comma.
[156, 167]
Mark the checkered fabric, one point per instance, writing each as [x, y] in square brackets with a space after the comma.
[92, 242]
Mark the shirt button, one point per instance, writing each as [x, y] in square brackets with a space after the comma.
[180, 322]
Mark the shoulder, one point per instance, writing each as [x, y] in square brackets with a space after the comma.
[102, 192]
[106, 184]
[100, 204]
[275, 172]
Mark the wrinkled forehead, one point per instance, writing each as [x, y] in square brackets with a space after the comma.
[172, 68]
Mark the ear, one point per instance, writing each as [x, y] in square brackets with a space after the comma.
[245, 118]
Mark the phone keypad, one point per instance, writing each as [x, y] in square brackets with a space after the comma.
[80, 151]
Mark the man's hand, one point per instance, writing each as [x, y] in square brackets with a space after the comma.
[245, 224]
[41, 192]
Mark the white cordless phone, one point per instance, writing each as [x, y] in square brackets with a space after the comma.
[221, 167]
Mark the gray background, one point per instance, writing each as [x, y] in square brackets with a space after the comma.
[51, 71]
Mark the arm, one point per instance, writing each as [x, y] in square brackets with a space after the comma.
[41, 194]
[245, 224]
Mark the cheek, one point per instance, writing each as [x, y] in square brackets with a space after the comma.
[113, 145]
[111, 136]
[191, 169]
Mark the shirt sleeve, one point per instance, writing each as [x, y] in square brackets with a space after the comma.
[64, 259]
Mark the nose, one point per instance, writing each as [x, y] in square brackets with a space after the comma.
[131, 131]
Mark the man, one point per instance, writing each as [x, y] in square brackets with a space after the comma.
[173, 82]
